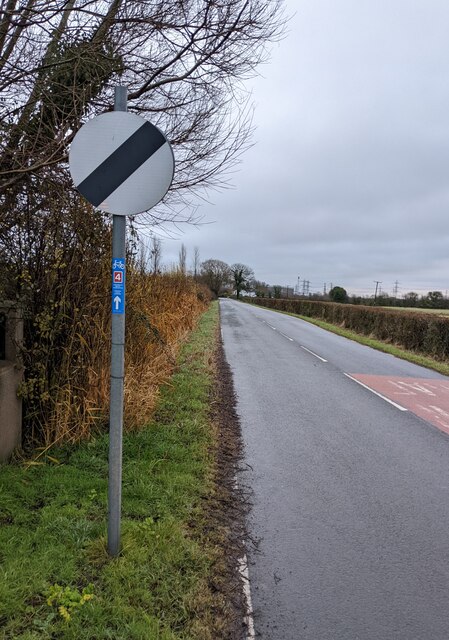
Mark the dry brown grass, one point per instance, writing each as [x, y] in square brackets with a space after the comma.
[161, 311]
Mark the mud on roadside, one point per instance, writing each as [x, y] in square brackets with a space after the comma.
[225, 511]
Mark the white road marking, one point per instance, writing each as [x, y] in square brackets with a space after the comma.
[412, 388]
[249, 620]
[313, 354]
[292, 340]
[267, 323]
[274, 329]
[243, 570]
[437, 413]
[376, 393]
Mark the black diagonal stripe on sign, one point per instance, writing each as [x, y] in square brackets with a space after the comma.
[122, 163]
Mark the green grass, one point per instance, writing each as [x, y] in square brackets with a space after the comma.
[53, 519]
[410, 356]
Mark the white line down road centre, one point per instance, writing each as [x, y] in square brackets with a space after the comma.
[121, 163]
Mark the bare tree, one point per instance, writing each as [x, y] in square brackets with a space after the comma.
[196, 262]
[184, 63]
[243, 277]
[260, 288]
[182, 259]
[156, 254]
[216, 274]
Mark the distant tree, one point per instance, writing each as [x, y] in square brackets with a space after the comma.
[216, 274]
[260, 288]
[182, 259]
[196, 262]
[338, 294]
[243, 277]
[434, 300]
[384, 300]
[411, 299]
[277, 291]
[156, 253]
[142, 256]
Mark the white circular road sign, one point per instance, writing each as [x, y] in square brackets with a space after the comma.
[121, 163]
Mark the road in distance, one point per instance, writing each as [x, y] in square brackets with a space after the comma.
[350, 486]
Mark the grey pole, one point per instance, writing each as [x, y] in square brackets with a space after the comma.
[117, 377]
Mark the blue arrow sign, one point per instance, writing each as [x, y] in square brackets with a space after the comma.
[118, 285]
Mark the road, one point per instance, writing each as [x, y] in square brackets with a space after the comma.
[350, 485]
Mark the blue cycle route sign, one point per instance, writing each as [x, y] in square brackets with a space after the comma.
[118, 285]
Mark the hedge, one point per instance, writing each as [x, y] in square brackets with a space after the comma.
[421, 332]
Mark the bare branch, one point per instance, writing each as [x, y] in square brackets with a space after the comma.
[184, 62]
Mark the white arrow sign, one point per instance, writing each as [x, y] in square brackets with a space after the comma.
[117, 301]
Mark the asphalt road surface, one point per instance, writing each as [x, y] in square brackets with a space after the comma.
[348, 460]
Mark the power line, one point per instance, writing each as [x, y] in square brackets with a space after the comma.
[378, 282]
[395, 289]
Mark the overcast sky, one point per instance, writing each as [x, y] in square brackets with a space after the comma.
[348, 181]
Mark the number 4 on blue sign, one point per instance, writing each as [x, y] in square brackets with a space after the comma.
[118, 285]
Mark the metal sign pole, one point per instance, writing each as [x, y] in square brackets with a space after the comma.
[124, 165]
[117, 365]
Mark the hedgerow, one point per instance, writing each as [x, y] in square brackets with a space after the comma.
[424, 333]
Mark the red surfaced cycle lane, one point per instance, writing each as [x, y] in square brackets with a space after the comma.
[427, 398]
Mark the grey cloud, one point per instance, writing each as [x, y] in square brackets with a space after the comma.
[349, 177]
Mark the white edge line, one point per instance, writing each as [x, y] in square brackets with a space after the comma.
[244, 572]
[243, 567]
[376, 393]
[314, 354]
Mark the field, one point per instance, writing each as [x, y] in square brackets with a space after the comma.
[437, 312]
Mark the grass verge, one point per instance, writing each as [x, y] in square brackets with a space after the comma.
[410, 356]
[56, 579]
